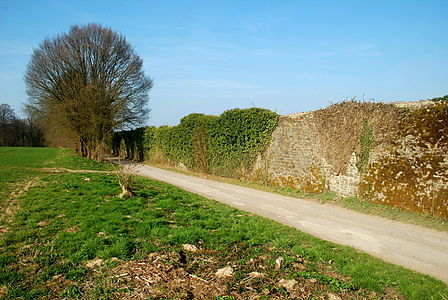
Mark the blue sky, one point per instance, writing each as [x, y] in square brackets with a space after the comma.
[287, 56]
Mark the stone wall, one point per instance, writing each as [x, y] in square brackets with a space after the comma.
[295, 160]
[406, 161]
[412, 173]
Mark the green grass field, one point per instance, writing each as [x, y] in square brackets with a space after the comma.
[68, 235]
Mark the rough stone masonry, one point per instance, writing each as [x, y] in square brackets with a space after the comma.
[406, 165]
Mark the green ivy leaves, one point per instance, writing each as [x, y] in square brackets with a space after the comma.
[226, 145]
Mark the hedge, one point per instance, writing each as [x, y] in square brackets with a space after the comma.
[227, 145]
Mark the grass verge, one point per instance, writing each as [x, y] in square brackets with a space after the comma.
[353, 203]
[72, 237]
[14, 157]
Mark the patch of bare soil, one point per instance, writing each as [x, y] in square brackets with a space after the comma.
[205, 274]
[64, 170]
[165, 276]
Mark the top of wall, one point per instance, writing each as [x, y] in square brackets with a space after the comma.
[409, 104]
[414, 104]
[297, 115]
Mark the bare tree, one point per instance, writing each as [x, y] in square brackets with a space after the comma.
[91, 81]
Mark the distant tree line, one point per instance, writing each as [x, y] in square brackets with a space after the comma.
[16, 132]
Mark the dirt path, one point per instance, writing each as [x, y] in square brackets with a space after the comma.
[420, 249]
[11, 205]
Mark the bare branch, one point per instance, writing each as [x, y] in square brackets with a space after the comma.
[92, 80]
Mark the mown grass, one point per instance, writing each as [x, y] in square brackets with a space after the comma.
[47, 158]
[27, 157]
[68, 219]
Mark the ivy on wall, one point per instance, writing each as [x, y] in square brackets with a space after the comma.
[443, 99]
[365, 142]
[401, 151]
[238, 137]
[227, 145]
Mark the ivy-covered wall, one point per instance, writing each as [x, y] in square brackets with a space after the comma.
[225, 145]
[395, 154]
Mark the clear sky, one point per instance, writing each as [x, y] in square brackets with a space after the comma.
[287, 56]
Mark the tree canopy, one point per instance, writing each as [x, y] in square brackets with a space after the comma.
[87, 82]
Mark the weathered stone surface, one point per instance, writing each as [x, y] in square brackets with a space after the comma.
[294, 160]
[407, 170]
